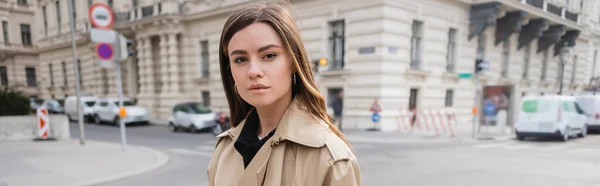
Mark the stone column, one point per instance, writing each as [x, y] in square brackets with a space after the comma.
[164, 64]
[173, 63]
[142, 46]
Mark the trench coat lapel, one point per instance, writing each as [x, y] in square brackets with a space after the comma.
[255, 172]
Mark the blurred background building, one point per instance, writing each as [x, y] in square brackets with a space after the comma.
[18, 56]
[406, 53]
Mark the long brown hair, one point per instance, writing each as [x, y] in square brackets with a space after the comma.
[279, 18]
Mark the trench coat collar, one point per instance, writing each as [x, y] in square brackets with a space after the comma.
[297, 125]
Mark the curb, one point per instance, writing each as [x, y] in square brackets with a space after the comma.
[161, 160]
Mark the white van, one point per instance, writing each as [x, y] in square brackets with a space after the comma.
[557, 116]
[590, 104]
[87, 103]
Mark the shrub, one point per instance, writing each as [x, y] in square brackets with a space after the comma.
[13, 102]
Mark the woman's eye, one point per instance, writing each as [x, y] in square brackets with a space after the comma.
[240, 60]
[270, 56]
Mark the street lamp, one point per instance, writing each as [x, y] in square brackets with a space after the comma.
[565, 52]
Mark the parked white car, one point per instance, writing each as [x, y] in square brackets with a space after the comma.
[107, 110]
[192, 116]
[556, 116]
[87, 104]
[590, 104]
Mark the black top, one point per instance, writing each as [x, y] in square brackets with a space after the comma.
[247, 143]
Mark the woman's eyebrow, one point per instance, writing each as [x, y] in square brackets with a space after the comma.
[261, 49]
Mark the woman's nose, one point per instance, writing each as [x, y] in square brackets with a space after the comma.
[255, 70]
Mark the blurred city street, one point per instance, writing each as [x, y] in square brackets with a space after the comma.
[389, 158]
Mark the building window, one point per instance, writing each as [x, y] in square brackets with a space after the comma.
[336, 43]
[45, 21]
[64, 69]
[544, 65]
[59, 25]
[449, 97]
[3, 76]
[51, 75]
[481, 41]
[415, 45]
[24, 2]
[5, 31]
[25, 34]
[31, 78]
[450, 56]
[204, 61]
[574, 70]
[505, 56]
[90, 3]
[206, 98]
[110, 3]
[526, 59]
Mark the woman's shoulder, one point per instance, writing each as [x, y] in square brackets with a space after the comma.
[333, 149]
[338, 148]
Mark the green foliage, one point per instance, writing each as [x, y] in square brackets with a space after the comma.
[13, 102]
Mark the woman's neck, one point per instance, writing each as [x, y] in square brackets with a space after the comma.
[270, 115]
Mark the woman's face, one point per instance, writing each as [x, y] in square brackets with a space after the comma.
[260, 65]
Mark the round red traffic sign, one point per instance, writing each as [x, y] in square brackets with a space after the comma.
[104, 51]
[101, 16]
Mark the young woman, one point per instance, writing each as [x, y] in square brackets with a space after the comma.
[282, 134]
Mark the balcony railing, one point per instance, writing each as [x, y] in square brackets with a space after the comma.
[147, 11]
[15, 47]
[571, 16]
[122, 16]
[536, 3]
[554, 9]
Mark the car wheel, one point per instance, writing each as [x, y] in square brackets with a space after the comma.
[217, 129]
[583, 132]
[193, 128]
[97, 120]
[520, 137]
[116, 121]
[173, 128]
[565, 136]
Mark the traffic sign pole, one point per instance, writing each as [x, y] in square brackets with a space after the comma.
[102, 18]
[77, 77]
[120, 94]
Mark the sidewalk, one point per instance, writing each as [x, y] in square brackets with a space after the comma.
[66, 163]
[462, 133]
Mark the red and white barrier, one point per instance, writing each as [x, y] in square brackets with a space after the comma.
[43, 123]
[427, 121]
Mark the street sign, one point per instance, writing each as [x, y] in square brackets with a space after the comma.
[101, 16]
[465, 75]
[103, 36]
[484, 65]
[375, 117]
[104, 51]
[375, 107]
[107, 64]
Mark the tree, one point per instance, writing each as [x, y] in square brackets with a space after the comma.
[13, 102]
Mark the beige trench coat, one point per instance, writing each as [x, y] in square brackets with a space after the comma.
[301, 152]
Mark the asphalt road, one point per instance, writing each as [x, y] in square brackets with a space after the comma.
[389, 159]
